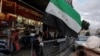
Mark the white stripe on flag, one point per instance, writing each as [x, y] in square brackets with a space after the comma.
[69, 21]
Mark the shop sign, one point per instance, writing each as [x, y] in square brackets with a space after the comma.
[35, 13]
[20, 10]
[8, 6]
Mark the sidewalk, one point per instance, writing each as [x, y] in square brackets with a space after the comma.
[24, 52]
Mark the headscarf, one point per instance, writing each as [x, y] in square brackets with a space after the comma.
[93, 42]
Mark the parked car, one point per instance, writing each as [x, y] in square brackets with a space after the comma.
[80, 40]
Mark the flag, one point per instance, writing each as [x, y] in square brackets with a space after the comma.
[63, 17]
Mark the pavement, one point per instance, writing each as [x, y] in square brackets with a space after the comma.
[24, 52]
[52, 48]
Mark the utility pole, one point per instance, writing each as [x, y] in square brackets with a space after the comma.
[70, 2]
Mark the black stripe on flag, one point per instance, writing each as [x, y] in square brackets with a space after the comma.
[55, 22]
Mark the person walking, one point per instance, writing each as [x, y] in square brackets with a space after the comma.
[15, 40]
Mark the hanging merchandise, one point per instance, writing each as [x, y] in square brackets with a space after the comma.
[19, 19]
[25, 20]
[31, 22]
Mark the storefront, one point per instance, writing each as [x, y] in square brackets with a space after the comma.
[15, 15]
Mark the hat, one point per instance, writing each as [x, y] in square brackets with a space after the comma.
[93, 42]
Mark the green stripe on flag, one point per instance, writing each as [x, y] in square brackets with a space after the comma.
[63, 5]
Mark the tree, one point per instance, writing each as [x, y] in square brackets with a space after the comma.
[85, 25]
